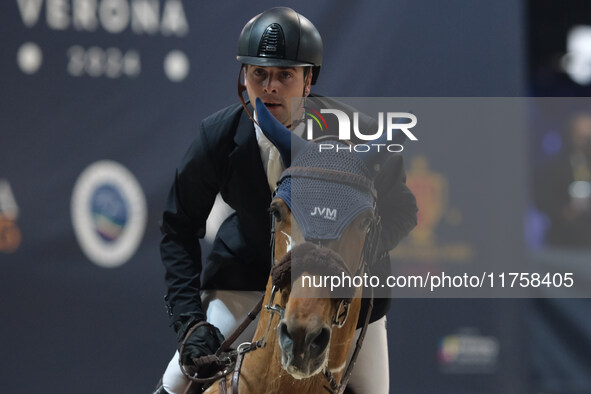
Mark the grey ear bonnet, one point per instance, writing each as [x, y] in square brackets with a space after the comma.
[325, 202]
[325, 190]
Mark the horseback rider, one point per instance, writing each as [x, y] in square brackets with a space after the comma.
[281, 55]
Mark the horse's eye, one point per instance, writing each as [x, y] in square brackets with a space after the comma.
[365, 223]
[276, 213]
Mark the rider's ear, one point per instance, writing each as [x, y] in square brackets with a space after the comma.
[307, 81]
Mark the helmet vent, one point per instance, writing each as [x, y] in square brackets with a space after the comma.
[272, 42]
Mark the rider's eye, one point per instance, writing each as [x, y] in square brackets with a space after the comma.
[259, 72]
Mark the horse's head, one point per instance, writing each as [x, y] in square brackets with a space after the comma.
[306, 328]
[323, 211]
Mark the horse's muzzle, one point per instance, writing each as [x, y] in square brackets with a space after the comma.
[304, 348]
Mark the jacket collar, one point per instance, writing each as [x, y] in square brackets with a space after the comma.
[245, 130]
[245, 160]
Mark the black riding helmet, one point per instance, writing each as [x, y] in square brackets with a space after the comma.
[281, 37]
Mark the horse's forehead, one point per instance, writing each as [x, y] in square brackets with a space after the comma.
[325, 203]
[323, 210]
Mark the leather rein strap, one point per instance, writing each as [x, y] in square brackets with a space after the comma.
[222, 356]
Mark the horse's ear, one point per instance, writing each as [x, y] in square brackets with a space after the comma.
[286, 142]
[375, 159]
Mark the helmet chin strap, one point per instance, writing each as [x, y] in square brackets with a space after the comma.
[241, 89]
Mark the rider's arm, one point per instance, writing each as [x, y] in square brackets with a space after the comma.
[189, 203]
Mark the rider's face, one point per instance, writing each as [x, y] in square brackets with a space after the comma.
[276, 86]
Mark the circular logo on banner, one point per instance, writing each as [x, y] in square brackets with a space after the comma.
[108, 213]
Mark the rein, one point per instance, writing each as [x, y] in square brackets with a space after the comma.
[222, 358]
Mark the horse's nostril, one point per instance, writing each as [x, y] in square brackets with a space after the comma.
[302, 344]
[283, 331]
[285, 339]
[319, 343]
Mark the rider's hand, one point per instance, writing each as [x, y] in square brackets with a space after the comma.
[202, 341]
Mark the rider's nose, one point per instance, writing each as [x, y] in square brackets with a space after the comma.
[271, 84]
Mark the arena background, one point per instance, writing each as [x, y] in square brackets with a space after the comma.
[123, 84]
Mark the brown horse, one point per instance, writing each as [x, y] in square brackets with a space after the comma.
[304, 334]
[306, 341]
